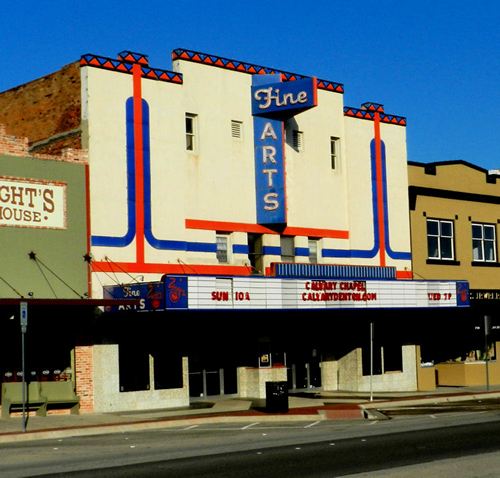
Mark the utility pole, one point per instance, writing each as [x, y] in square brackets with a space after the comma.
[23, 315]
[371, 361]
[487, 327]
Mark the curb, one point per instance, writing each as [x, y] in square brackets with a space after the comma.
[340, 412]
[460, 397]
[86, 430]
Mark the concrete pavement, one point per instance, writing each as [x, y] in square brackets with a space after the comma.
[310, 405]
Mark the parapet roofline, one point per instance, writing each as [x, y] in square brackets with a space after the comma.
[450, 162]
[68, 302]
[127, 66]
[430, 168]
[127, 59]
[250, 68]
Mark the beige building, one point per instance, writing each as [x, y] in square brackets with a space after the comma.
[454, 215]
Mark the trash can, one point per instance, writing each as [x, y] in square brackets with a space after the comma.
[276, 397]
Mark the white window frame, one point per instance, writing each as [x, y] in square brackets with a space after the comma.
[191, 132]
[287, 242]
[334, 152]
[441, 238]
[314, 249]
[223, 247]
[479, 241]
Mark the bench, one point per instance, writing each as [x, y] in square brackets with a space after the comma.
[40, 397]
[12, 397]
[60, 395]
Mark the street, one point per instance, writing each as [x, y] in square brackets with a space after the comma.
[312, 449]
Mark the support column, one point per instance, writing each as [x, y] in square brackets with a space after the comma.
[84, 377]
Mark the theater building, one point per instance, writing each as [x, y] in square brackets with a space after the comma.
[262, 225]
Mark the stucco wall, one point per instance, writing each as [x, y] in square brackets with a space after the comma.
[466, 374]
[216, 182]
[349, 370]
[107, 395]
[252, 381]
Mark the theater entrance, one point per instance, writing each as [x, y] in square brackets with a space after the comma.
[304, 371]
[207, 380]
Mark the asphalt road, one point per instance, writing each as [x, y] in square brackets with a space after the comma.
[315, 449]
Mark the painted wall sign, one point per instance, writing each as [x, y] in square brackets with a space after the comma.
[32, 203]
[283, 100]
[151, 296]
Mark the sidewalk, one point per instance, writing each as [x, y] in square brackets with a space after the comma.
[305, 406]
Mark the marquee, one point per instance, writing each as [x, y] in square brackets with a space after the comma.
[204, 292]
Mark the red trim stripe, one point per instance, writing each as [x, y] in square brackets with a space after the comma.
[139, 163]
[258, 229]
[404, 274]
[192, 269]
[315, 91]
[380, 189]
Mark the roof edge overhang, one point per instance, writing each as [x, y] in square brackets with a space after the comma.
[69, 302]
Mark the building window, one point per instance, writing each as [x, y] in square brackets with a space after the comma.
[133, 366]
[191, 130]
[440, 239]
[334, 152]
[167, 366]
[313, 250]
[298, 140]
[237, 130]
[287, 249]
[222, 253]
[483, 243]
[255, 253]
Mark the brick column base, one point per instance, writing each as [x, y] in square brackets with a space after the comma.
[84, 371]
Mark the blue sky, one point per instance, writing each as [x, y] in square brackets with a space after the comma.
[437, 62]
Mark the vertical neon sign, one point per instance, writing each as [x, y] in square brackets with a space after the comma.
[272, 103]
[269, 164]
[269, 171]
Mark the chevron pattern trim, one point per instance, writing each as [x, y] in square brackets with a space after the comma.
[370, 115]
[250, 68]
[133, 57]
[125, 66]
[373, 107]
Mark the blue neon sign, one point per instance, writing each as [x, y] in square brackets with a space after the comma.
[283, 100]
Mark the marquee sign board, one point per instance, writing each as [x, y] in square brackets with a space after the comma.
[151, 296]
[215, 293]
[268, 293]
